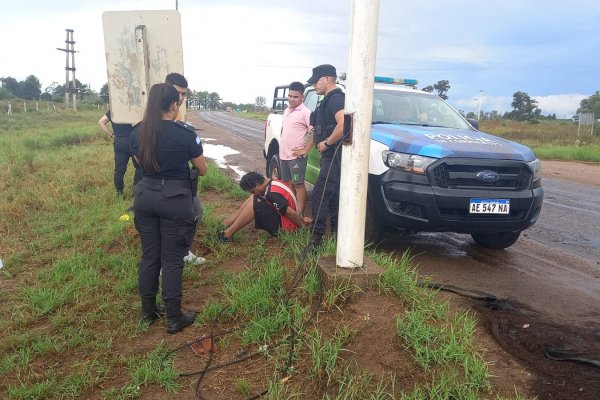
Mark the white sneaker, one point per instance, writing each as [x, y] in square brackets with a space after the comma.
[193, 259]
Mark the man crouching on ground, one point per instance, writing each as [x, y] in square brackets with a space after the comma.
[272, 206]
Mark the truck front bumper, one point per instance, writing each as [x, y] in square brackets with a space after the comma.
[405, 201]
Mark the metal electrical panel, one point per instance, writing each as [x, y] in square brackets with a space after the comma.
[141, 47]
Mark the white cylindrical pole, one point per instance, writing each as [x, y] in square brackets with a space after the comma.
[364, 22]
[479, 105]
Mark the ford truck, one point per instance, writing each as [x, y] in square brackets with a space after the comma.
[431, 169]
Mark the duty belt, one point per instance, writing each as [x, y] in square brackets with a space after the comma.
[184, 183]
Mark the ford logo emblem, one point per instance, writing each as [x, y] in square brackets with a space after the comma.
[488, 176]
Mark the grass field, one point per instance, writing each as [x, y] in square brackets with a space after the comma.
[70, 309]
[552, 140]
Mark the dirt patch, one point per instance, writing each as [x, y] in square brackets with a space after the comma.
[584, 173]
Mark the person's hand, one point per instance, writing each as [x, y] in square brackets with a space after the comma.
[299, 152]
[322, 147]
[306, 221]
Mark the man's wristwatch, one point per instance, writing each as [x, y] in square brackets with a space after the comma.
[325, 141]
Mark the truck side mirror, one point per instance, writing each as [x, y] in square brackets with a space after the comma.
[474, 123]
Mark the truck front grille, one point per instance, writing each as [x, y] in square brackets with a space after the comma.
[462, 174]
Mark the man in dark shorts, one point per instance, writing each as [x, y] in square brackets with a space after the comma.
[272, 207]
[295, 143]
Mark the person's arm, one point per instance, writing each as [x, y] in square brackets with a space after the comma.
[104, 126]
[337, 133]
[296, 218]
[200, 164]
[302, 151]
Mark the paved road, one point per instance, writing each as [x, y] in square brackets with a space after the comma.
[554, 268]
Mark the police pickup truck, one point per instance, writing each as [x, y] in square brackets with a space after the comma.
[432, 170]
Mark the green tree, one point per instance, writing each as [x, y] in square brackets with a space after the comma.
[30, 88]
[442, 88]
[524, 107]
[260, 102]
[10, 84]
[5, 94]
[214, 100]
[203, 100]
[104, 93]
[591, 104]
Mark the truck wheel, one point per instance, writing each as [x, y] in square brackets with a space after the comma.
[274, 166]
[498, 240]
[373, 229]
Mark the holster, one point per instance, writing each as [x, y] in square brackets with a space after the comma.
[194, 181]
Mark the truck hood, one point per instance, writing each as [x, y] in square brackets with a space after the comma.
[439, 142]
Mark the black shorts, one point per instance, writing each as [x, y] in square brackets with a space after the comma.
[265, 216]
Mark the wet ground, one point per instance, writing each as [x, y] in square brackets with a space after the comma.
[539, 299]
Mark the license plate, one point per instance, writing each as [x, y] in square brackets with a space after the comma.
[489, 206]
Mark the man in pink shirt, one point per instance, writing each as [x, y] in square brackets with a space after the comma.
[295, 143]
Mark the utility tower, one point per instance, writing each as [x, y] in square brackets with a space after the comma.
[70, 86]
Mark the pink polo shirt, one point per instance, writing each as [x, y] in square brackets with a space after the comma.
[296, 122]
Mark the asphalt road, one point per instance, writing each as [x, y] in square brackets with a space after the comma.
[554, 268]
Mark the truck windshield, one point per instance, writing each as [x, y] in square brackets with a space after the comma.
[413, 108]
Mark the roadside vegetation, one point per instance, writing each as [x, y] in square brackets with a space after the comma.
[549, 139]
[70, 309]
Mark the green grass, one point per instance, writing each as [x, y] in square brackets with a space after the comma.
[555, 140]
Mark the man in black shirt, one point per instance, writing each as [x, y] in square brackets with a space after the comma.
[328, 123]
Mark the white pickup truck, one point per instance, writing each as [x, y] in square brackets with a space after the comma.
[432, 170]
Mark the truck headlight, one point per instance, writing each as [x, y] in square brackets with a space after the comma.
[407, 162]
[535, 168]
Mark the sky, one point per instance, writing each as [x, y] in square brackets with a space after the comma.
[487, 50]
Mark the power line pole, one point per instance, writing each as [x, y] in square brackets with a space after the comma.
[70, 85]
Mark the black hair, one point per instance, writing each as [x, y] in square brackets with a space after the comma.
[250, 180]
[297, 86]
[176, 79]
[160, 99]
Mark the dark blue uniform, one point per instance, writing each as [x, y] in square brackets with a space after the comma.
[122, 153]
[326, 193]
[164, 215]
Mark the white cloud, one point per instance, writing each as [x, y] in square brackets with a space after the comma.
[563, 105]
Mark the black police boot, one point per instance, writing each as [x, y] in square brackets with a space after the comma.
[177, 319]
[150, 311]
[313, 245]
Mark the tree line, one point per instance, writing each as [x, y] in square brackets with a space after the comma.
[524, 108]
[31, 89]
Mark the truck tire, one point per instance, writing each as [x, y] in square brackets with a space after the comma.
[274, 166]
[373, 229]
[497, 240]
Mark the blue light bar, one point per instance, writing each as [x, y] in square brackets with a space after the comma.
[396, 81]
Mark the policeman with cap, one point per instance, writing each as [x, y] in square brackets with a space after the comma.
[328, 123]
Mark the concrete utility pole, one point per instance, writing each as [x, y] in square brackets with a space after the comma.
[70, 84]
[355, 155]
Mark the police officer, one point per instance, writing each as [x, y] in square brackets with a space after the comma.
[120, 136]
[163, 204]
[328, 123]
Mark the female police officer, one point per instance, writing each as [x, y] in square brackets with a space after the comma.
[163, 206]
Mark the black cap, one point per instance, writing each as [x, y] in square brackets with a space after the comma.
[321, 71]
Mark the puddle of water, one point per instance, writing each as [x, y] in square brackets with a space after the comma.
[218, 152]
[240, 172]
